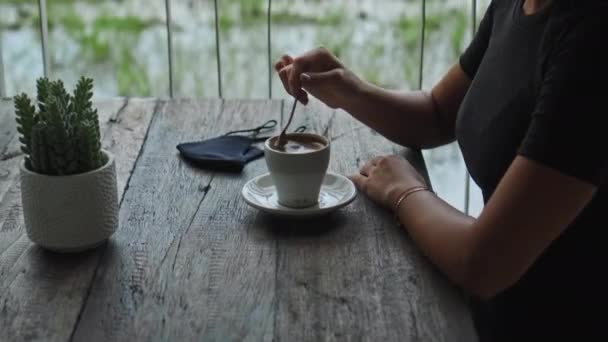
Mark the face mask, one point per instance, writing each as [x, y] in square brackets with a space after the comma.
[230, 152]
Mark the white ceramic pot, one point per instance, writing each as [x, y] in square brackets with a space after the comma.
[70, 213]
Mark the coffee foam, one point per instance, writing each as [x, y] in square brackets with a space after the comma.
[298, 144]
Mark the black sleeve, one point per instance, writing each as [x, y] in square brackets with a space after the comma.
[473, 54]
[568, 129]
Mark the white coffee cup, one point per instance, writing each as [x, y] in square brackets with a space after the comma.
[298, 176]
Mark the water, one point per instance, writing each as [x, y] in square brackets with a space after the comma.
[123, 46]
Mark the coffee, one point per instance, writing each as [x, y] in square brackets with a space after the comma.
[298, 144]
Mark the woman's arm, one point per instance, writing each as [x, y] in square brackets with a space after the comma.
[415, 118]
[530, 208]
[423, 119]
[560, 163]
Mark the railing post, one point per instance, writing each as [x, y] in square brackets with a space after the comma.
[467, 181]
[217, 49]
[422, 41]
[417, 152]
[270, 49]
[44, 33]
[474, 13]
[2, 80]
[169, 45]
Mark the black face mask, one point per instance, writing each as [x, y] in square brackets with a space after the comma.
[230, 152]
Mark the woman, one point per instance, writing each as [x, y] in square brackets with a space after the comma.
[525, 103]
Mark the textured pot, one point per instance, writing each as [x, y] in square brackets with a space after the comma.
[70, 213]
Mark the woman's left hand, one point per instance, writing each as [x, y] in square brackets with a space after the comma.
[384, 179]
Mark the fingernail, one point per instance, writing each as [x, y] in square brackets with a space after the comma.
[305, 77]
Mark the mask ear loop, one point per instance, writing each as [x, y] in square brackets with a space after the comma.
[270, 124]
[300, 129]
[267, 126]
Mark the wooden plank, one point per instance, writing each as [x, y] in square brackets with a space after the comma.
[189, 263]
[192, 261]
[125, 132]
[33, 280]
[163, 197]
[197, 271]
[7, 125]
[357, 275]
[234, 288]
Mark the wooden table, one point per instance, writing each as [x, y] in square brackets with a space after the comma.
[192, 261]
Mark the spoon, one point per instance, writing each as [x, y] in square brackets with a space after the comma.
[283, 137]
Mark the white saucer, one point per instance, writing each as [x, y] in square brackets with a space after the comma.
[337, 191]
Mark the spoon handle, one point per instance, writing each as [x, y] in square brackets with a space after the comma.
[282, 138]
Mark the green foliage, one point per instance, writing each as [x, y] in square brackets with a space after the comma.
[132, 77]
[459, 32]
[62, 137]
[253, 9]
[94, 37]
[226, 22]
[127, 24]
[26, 119]
[285, 17]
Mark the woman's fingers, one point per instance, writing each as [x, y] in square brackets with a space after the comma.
[360, 181]
[319, 61]
[367, 169]
[284, 75]
[376, 160]
[282, 66]
[283, 62]
[302, 97]
[299, 66]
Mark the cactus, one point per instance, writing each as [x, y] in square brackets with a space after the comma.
[62, 137]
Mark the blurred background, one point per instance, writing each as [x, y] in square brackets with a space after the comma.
[122, 44]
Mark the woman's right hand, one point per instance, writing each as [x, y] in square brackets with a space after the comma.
[319, 73]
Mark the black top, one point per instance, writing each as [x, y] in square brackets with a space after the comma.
[539, 87]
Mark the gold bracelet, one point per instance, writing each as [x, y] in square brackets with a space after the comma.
[405, 195]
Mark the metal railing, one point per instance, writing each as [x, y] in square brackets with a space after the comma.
[169, 45]
[44, 34]
[217, 48]
[2, 81]
[42, 6]
[467, 179]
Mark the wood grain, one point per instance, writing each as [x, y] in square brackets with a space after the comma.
[191, 261]
[197, 271]
[163, 198]
[42, 293]
[356, 275]
[8, 129]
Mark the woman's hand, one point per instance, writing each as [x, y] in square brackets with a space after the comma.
[321, 74]
[384, 179]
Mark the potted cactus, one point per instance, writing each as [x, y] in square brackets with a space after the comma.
[68, 183]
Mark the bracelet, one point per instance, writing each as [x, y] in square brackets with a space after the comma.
[405, 195]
